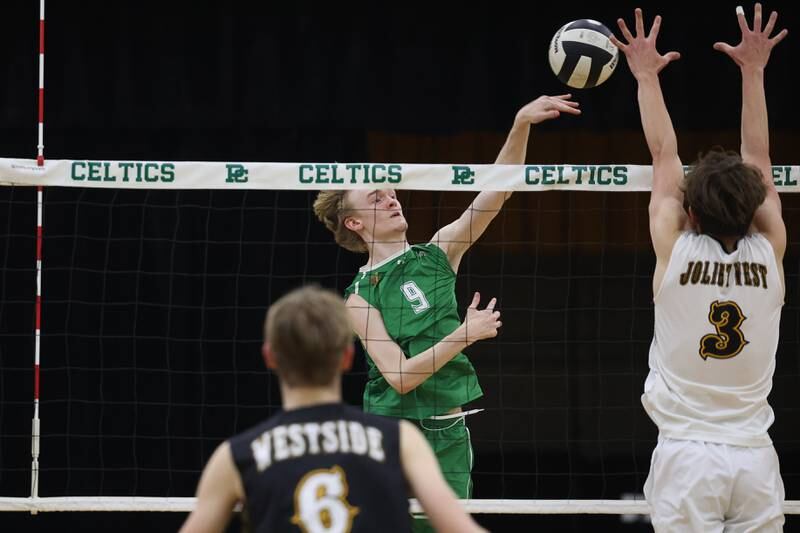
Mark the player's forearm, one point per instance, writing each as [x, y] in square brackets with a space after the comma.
[488, 203]
[516, 146]
[415, 370]
[512, 153]
[755, 124]
[656, 122]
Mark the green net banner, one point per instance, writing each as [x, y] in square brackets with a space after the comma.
[316, 176]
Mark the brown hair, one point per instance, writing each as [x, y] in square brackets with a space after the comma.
[331, 209]
[724, 193]
[308, 330]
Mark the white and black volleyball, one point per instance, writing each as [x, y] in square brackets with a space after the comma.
[581, 54]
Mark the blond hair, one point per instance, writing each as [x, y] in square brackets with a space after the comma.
[331, 209]
[308, 330]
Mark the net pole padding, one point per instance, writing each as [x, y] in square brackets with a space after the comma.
[185, 505]
[35, 423]
[40, 95]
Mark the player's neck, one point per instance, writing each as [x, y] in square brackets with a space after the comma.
[299, 397]
[729, 244]
[380, 251]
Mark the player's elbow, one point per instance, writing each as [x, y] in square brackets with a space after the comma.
[400, 383]
[665, 151]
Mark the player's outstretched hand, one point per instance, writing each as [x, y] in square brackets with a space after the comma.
[640, 50]
[754, 49]
[546, 108]
[481, 323]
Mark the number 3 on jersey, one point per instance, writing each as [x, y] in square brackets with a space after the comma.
[728, 340]
[415, 295]
[320, 502]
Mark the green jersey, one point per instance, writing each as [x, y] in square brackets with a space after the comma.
[414, 291]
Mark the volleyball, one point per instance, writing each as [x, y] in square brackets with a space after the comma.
[581, 54]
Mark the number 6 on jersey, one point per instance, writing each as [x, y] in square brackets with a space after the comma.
[321, 504]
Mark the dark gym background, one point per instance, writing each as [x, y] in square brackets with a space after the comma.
[139, 385]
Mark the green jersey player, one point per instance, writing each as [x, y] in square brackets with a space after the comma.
[403, 306]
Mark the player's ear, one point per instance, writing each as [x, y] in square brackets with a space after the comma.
[347, 358]
[269, 356]
[353, 223]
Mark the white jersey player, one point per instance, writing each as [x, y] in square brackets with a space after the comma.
[718, 290]
[716, 333]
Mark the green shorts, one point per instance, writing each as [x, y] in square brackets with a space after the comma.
[450, 441]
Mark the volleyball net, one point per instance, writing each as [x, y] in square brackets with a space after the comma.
[155, 278]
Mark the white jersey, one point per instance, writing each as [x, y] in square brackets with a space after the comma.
[716, 333]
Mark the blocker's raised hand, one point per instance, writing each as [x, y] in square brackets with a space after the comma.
[640, 50]
[756, 45]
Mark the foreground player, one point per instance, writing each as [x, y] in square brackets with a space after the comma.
[321, 465]
[718, 291]
[404, 307]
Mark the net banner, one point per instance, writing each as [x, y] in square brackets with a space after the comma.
[316, 176]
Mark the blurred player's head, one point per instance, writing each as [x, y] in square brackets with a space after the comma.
[361, 216]
[722, 193]
[308, 338]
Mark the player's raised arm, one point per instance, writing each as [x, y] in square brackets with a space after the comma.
[752, 55]
[456, 238]
[667, 216]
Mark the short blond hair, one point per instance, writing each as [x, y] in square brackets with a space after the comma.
[331, 209]
[308, 330]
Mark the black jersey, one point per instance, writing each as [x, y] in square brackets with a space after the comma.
[327, 468]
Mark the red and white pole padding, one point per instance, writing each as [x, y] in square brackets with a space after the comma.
[35, 426]
[40, 145]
